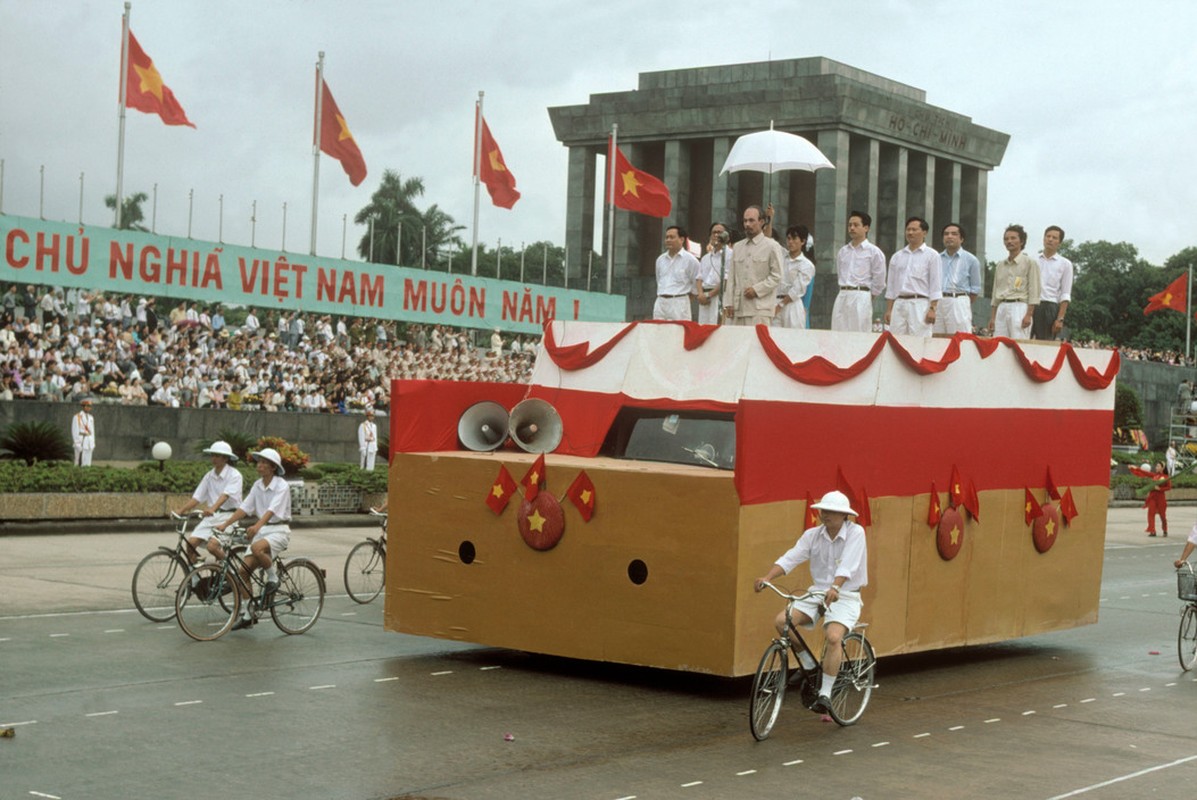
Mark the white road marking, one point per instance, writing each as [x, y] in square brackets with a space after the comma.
[1125, 597]
[841, 752]
[486, 668]
[42, 794]
[691, 783]
[1170, 684]
[100, 713]
[58, 635]
[994, 719]
[792, 763]
[115, 630]
[348, 613]
[746, 772]
[629, 797]
[1027, 713]
[1060, 705]
[921, 735]
[384, 680]
[956, 728]
[1121, 778]
[189, 703]
[15, 724]
[880, 744]
[1119, 694]
[322, 686]
[1088, 699]
[443, 672]
[166, 627]
[1145, 689]
[260, 694]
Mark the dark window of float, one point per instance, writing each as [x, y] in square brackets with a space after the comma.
[702, 438]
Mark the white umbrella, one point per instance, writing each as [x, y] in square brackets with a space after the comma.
[773, 151]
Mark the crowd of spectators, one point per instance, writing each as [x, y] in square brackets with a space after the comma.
[63, 346]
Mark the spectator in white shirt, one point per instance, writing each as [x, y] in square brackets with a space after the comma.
[1055, 288]
[913, 285]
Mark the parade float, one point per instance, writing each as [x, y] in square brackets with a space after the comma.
[668, 464]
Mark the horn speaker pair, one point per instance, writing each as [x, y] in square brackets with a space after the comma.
[534, 425]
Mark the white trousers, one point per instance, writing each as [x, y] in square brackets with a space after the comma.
[709, 314]
[790, 316]
[83, 456]
[954, 315]
[672, 308]
[367, 459]
[909, 317]
[853, 311]
[1008, 321]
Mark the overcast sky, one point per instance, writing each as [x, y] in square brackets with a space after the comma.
[1098, 98]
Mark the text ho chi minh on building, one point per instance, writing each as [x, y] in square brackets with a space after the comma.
[895, 156]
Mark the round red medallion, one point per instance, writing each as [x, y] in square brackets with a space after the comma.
[541, 522]
[950, 535]
[1046, 528]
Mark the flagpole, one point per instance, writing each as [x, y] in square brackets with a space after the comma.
[1189, 315]
[611, 205]
[120, 139]
[316, 144]
[477, 180]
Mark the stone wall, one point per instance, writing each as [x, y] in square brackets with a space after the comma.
[126, 433]
[1156, 385]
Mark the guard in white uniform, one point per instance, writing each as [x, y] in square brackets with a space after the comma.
[83, 435]
[367, 441]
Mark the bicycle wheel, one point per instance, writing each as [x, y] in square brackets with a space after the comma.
[204, 609]
[768, 690]
[154, 584]
[365, 571]
[300, 596]
[1186, 637]
[854, 684]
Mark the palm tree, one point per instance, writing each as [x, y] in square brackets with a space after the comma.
[391, 206]
[131, 214]
[438, 233]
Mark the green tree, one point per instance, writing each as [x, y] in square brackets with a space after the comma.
[132, 216]
[398, 222]
[1111, 286]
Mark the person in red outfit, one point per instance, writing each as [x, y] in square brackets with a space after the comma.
[1157, 500]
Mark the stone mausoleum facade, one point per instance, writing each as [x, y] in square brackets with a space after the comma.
[895, 156]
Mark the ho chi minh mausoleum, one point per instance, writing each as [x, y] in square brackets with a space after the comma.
[895, 156]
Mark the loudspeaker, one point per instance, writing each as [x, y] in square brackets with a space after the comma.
[483, 426]
[535, 426]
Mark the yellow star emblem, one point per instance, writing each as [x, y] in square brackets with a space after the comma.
[151, 81]
[495, 162]
[1028, 509]
[534, 478]
[586, 495]
[956, 489]
[344, 134]
[1168, 298]
[954, 534]
[497, 490]
[536, 522]
[630, 184]
[1051, 527]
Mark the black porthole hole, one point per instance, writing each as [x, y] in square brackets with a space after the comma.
[466, 552]
[637, 571]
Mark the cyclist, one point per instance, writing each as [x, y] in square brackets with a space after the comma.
[219, 493]
[270, 501]
[1190, 545]
[838, 566]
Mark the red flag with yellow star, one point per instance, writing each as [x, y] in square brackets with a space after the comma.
[581, 494]
[534, 478]
[501, 491]
[934, 511]
[500, 183]
[812, 513]
[1068, 507]
[1175, 296]
[971, 501]
[335, 138]
[955, 488]
[1031, 508]
[145, 91]
[636, 190]
[1052, 491]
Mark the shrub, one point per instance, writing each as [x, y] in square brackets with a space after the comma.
[1128, 410]
[241, 443]
[294, 459]
[35, 441]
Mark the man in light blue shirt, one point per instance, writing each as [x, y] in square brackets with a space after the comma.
[960, 281]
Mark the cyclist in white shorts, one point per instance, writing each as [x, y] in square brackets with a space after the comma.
[838, 566]
[218, 493]
[270, 501]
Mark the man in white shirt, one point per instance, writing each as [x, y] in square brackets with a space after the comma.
[750, 293]
[1055, 287]
[912, 290]
[83, 434]
[960, 279]
[251, 326]
[218, 495]
[713, 268]
[677, 270]
[367, 441]
[270, 501]
[839, 566]
[860, 270]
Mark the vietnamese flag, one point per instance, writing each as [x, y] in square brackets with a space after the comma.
[934, 511]
[501, 491]
[500, 183]
[534, 478]
[1052, 491]
[581, 493]
[1031, 509]
[335, 138]
[955, 488]
[812, 513]
[865, 518]
[1174, 297]
[145, 91]
[1068, 507]
[636, 190]
[971, 501]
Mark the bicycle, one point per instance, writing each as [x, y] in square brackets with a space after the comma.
[156, 579]
[208, 601]
[1186, 635]
[366, 566]
[849, 694]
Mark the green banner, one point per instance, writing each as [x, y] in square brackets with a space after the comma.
[132, 262]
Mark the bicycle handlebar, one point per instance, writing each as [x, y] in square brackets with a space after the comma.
[792, 597]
